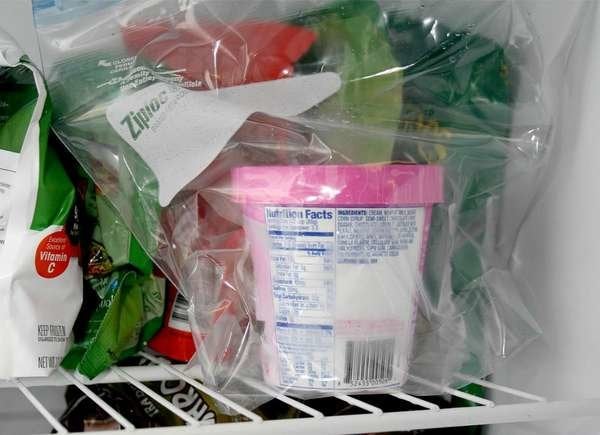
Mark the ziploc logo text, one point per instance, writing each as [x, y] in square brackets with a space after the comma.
[139, 121]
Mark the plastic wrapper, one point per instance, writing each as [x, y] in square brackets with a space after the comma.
[123, 301]
[325, 181]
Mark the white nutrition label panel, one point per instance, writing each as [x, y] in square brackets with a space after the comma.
[338, 276]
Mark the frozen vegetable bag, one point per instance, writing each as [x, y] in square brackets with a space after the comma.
[325, 181]
[40, 276]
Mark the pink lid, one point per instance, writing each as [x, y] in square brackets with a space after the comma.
[346, 185]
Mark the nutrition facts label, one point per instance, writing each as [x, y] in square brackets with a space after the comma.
[303, 277]
[311, 251]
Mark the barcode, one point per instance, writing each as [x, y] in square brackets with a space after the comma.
[180, 308]
[179, 314]
[369, 362]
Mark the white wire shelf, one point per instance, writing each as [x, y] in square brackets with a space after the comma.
[524, 406]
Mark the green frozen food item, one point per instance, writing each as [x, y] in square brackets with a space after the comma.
[123, 301]
[458, 101]
[108, 243]
[137, 200]
[120, 244]
[457, 93]
[127, 313]
[153, 292]
[352, 41]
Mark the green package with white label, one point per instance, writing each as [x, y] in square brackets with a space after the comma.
[40, 275]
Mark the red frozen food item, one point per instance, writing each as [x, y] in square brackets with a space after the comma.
[220, 55]
[216, 232]
[174, 340]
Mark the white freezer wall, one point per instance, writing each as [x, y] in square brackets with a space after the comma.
[559, 252]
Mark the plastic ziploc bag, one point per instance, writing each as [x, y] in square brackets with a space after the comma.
[40, 276]
[323, 180]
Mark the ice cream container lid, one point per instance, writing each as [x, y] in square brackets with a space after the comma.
[339, 185]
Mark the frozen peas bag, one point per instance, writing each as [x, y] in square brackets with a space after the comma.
[325, 181]
[40, 275]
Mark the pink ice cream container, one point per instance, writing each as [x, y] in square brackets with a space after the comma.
[338, 255]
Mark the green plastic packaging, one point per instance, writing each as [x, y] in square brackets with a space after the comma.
[128, 314]
[123, 301]
[369, 100]
[458, 97]
[123, 247]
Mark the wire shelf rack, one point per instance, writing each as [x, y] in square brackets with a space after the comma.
[523, 406]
